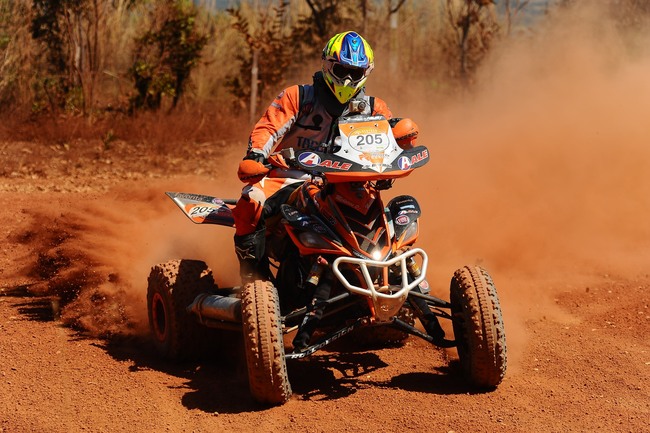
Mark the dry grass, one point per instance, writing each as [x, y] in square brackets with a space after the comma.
[195, 125]
[413, 62]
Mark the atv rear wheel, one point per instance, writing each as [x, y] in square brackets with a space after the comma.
[172, 286]
[263, 343]
[478, 326]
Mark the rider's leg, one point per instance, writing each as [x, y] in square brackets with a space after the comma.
[250, 235]
[253, 263]
[250, 214]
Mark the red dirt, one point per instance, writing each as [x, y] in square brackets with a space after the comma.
[542, 180]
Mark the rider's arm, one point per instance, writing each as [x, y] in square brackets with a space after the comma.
[276, 121]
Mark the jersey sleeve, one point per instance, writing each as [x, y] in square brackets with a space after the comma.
[276, 121]
[380, 107]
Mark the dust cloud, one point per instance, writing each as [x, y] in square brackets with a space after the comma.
[542, 176]
[94, 256]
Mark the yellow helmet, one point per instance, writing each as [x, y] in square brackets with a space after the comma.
[347, 62]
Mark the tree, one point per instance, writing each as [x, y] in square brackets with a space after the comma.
[268, 53]
[513, 8]
[15, 45]
[393, 19]
[68, 31]
[327, 18]
[165, 55]
[474, 26]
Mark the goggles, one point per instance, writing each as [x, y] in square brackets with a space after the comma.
[341, 72]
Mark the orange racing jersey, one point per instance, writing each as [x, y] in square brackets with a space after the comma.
[298, 119]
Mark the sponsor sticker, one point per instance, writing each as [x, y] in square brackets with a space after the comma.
[335, 165]
[309, 159]
[402, 220]
[404, 163]
[198, 213]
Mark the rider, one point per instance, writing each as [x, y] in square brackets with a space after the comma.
[303, 117]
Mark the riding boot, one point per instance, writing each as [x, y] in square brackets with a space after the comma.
[306, 330]
[315, 311]
[253, 263]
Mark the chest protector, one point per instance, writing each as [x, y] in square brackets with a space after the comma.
[314, 125]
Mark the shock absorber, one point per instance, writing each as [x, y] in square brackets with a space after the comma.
[414, 271]
[413, 267]
[316, 271]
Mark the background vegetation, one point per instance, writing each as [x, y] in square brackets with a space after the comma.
[108, 67]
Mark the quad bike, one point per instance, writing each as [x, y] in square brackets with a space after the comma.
[344, 262]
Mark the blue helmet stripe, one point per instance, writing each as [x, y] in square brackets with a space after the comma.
[353, 52]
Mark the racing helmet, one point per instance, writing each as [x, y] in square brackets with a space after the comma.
[347, 62]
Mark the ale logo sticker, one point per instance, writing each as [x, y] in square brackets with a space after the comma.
[404, 163]
[309, 159]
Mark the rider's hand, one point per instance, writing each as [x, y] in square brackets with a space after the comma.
[405, 132]
[251, 171]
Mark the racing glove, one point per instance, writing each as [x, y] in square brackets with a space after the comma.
[405, 132]
[252, 169]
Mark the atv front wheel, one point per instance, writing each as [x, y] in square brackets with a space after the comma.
[262, 328]
[478, 326]
[172, 287]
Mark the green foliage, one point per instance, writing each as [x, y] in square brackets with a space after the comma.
[273, 47]
[282, 47]
[8, 66]
[68, 34]
[46, 28]
[166, 55]
[71, 56]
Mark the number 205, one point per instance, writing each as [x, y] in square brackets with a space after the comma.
[369, 139]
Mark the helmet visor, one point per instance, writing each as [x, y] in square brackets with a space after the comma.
[341, 72]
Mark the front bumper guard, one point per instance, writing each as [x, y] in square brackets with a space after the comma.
[386, 299]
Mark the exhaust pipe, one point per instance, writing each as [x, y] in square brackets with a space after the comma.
[216, 307]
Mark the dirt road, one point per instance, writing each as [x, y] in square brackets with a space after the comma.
[543, 178]
[579, 358]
